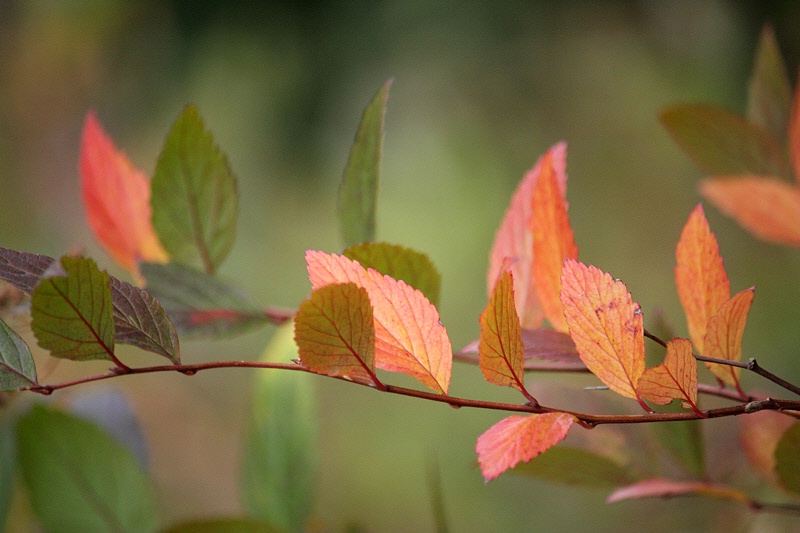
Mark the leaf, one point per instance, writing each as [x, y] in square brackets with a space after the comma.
[201, 305]
[8, 466]
[674, 379]
[769, 90]
[759, 434]
[409, 337]
[575, 466]
[335, 334]
[542, 344]
[500, 348]
[553, 241]
[72, 314]
[358, 191]
[667, 488]
[23, 269]
[17, 368]
[400, 263]
[724, 335]
[519, 438]
[721, 142]
[700, 275]
[222, 525]
[787, 459]
[116, 196]
[514, 239]
[280, 456]
[606, 326]
[194, 196]
[79, 478]
[767, 208]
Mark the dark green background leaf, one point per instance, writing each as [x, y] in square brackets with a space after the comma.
[769, 92]
[575, 466]
[684, 440]
[787, 459]
[17, 368]
[8, 467]
[223, 525]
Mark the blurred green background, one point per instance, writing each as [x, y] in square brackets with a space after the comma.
[481, 90]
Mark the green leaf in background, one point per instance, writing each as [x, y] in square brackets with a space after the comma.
[787, 459]
[223, 525]
[79, 478]
[723, 143]
[769, 91]
[8, 467]
[194, 195]
[72, 315]
[201, 305]
[358, 192]
[575, 466]
[17, 368]
[684, 440]
[415, 268]
[280, 457]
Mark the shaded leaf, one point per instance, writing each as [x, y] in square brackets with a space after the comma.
[116, 196]
[222, 525]
[80, 479]
[700, 275]
[358, 191]
[194, 196]
[575, 466]
[787, 459]
[667, 488]
[606, 326]
[8, 466]
[400, 263]
[721, 142]
[409, 337]
[23, 269]
[674, 379]
[519, 439]
[542, 344]
[280, 456]
[759, 434]
[17, 368]
[514, 239]
[769, 90]
[724, 335]
[767, 208]
[684, 440]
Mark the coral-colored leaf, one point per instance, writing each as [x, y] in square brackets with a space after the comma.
[606, 326]
[408, 335]
[665, 488]
[116, 196]
[769, 90]
[334, 332]
[700, 275]
[768, 208]
[514, 239]
[519, 438]
[724, 335]
[500, 348]
[553, 241]
[674, 379]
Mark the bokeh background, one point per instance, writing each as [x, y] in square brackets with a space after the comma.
[480, 91]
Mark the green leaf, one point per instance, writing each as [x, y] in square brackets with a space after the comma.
[194, 195]
[280, 456]
[787, 459]
[684, 440]
[223, 525]
[201, 305]
[575, 466]
[8, 467]
[769, 91]
[72, 314]
[17, 368]
[721, 142]
[358, 192]
[79, 478]
[399, 262]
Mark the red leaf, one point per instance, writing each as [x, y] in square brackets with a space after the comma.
[674, 379]
[408, 335]
[515, 239]
[665, 488]
[724, 335]
[116, 196]
[519, 438]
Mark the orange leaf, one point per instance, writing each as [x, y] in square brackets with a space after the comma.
[408, 335]
[674, 379]
[553, 241]
[514, 238]
[666, 488]
[767, 208]
[334, 332]
[500, 348]
[724, 335]
[116, 196]
[700, 275]
[519, 438]
[606, 326]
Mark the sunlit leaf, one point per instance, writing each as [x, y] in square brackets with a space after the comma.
[358, 191]
[667, 488]
[575, 466]
[767, 208]
[17, 368]
[787, 459]
[519, 439]
[769, 90]
[724, 335]
[409, 337]
[759, 434]
[79, 478]
[606, 326]
[116, 196]
[194, 195]
[700, 275]
[223, 525]
[674, 379]
[514, 239]
[400, 263]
